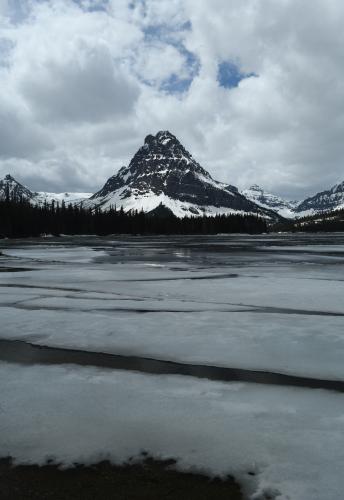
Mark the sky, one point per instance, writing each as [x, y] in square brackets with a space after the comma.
[254, 89]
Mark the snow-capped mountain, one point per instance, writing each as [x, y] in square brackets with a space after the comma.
[283, 207]
[164, 172]
[325, 201]
[332, 199]
[14, 190]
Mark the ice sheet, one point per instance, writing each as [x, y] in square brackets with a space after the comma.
[54, 253]
[292, 439]
[218, 300]
[275, 342]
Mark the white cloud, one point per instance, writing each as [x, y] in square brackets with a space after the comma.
[84, 88]
[151, 63]
[73, 89]
[3, 7]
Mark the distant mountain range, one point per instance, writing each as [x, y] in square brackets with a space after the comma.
[17, 191]
[325, 201]
[164, 173]
[332, 199]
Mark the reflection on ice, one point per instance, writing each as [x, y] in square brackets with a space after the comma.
[50, 253]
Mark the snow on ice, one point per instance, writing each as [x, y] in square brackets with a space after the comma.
[269, 302]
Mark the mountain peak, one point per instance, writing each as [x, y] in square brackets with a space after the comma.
[255, 187]
[9, 186]
[338, 188]
[163, 140]
[165, 136]
[8, 177]
[163, 171]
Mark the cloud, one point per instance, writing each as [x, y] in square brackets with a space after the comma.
[4, 8]
[84, 82]
[85, 88]
[20, 137]
[282, 129]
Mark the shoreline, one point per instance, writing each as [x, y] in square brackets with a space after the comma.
[147, 479]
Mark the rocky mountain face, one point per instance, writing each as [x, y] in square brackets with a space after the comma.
[283, 207]
[13, 190]
[164, 172]
[332, 199]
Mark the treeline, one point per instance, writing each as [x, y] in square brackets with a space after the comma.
[332, 221]
[21, 219]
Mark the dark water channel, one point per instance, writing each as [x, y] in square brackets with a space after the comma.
[16, 351]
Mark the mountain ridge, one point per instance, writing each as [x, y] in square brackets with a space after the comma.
[163, 172]
[324, 201]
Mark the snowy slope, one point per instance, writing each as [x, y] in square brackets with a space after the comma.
[332, 199]
[285, 208]
[162, 171]
[150, 200]
[59, 197]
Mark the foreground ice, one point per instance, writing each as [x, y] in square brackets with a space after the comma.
[290, 439]
[267, 302]
[255, 341]
[53, 254]
[219, 300]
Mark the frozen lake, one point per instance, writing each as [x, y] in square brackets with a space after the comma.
[267, 303]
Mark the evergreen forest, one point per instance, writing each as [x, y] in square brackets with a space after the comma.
[21, 219]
